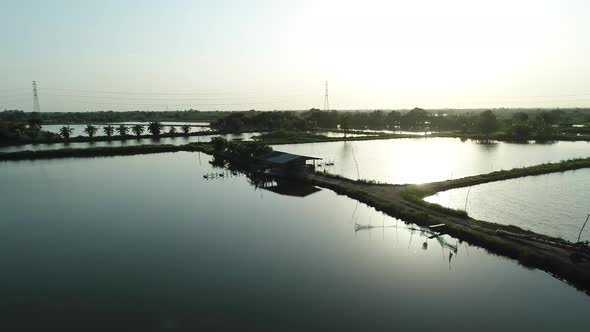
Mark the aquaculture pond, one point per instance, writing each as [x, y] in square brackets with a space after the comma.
[133, 141]
[420, 160]
[128, 142]
[147, 242]
[553, 204]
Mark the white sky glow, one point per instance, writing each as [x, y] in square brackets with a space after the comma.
[268, 55]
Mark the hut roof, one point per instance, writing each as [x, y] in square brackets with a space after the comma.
[281, 158]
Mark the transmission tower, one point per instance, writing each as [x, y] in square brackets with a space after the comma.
[326, 102]
[36, 107]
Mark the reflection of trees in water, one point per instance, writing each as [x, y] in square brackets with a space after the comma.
[487, 145]
[345, 151]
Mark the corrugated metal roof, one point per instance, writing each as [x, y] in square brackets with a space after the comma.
[279, 157]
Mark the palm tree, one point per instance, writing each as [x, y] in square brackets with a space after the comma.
[122, 129]
[172, 130]
[186, 129]
[90, 130]
[66, 132]
[137, 129]
[155, 128]
[108, 130]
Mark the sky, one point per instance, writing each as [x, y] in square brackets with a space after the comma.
[269, 55]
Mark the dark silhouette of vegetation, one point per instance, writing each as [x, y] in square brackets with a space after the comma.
[287, 137]
[66, 132]
[244, 152]
[123, 130]
[108, 130]
[487, 122]
[186, 129]
[266, 121]
[172, 130]
[219, 143]
[103, 117]
[35, 120]
[155, 128]
[18, 131]
[499, 124]
[137, 130]
[90, 130]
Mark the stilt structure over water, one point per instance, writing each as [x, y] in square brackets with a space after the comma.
[287, 165]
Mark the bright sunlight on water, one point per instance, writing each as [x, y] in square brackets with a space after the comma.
[147, 241]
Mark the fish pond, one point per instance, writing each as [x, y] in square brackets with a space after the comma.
[554, 204]
[147, 242]
[421, 160]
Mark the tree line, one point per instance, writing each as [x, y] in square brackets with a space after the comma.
[109, 116]
[517, 125]
[154, 128]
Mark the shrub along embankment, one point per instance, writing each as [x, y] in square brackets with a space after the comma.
[85, 139]
[288, 137]
[92, 152]
[556, 256]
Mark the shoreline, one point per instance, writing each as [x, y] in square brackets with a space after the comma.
[303, 137]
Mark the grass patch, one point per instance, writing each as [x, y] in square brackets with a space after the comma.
[91, 152]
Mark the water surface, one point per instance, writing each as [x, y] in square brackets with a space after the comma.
[128, 142]
[554, 204]
[420, 160]
[146, 242]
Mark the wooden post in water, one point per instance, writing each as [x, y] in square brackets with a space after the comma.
[466, 198]
[581, 230]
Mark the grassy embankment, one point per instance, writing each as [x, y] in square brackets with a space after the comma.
[296, 137]
[85, 139]
[504, 137]
[105, 151]
[406, 202]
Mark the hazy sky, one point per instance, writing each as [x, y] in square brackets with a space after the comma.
[121, 55]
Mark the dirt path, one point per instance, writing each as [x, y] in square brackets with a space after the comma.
[558, 257]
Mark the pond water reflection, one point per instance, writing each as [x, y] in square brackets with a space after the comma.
[148, 242]
[128, 142]
[554, 204]
[420, 160]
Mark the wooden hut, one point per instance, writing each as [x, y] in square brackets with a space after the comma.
[283, 164]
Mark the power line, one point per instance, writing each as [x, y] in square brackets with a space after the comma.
[178, 105]
[175, 99]
[156, 93]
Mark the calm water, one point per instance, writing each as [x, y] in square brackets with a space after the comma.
[133, 141]
[128, 142]
[420, 160]
[554, 204]
[145, 242]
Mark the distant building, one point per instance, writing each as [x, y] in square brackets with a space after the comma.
[283, 164]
